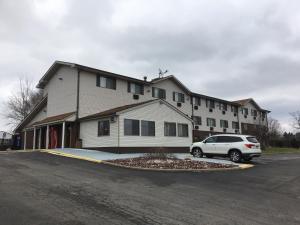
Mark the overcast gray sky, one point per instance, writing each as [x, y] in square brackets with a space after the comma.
[228, 49]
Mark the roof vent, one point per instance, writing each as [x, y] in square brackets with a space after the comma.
[145, 78]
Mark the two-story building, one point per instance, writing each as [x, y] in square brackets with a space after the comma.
[84, 107]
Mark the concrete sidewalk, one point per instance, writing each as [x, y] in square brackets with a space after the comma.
[93, 155]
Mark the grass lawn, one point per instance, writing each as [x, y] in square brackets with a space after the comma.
[276, 150]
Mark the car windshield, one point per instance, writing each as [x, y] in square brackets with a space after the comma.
[252, 139]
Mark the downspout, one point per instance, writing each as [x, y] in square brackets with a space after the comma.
[192, 101]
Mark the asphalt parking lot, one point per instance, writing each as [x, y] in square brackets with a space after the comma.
[39, 188]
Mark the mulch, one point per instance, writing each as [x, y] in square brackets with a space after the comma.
[168, 163]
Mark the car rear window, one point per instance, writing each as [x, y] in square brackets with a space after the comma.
[252, 139]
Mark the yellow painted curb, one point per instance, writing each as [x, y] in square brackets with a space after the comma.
[71, 156]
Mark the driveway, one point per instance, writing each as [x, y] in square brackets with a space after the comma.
[39, 188]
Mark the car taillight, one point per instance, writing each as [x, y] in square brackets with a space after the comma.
[249, 145]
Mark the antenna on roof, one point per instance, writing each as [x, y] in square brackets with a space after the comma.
[161, 73]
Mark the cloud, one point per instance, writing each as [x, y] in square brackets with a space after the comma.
[229, 49]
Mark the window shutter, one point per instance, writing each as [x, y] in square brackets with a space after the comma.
[164, 94]
[98, 80]
[153, 94]
[206, 103]
[173, 96]
[182, 98]
[128, 86]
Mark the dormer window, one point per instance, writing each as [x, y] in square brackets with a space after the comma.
[135, 88]
[105, 82]
[158, 93]
[178, 97]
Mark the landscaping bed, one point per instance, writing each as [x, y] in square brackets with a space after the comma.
[168, 163]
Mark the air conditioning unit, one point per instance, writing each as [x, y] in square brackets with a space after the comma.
[136, 97]
[245, 116]
[223, 112]
[210, 110]
[236, 131]
[196, 127]
[179, 104]
[254, 117]
[224, 130]
[234, 114]
[211, 129]
[196, 107]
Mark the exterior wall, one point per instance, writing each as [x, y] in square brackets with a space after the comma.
[250, 118]
[89, 135]
[170, 87]
[203, 111]
[95, 99]
[40, 116]
[62, 93]
[159, 113]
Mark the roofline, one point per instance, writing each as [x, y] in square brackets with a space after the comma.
[57, 64]
[37, 108]
[89, 118]
[213, 98]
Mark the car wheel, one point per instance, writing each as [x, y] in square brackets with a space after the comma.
[197, 152]
[235, 156]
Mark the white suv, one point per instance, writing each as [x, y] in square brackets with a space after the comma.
[236, 147]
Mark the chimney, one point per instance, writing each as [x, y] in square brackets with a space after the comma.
[145, 78]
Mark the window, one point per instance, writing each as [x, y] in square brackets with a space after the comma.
[178, 97]
[106, 82]
[245, 111]
[103, 128]
[158, 93]
[224, 123]
[135, 88]
[235, 125]
[183, 130]
[211, 122]
[197, 120]
[197, 101]
[170, 129]
[148, 128]
[210, 104]
[228, 139]
[211, 140]
[131, 127]
[252, 139]
[234, 109]
[223, 106]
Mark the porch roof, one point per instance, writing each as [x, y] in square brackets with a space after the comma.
[53, 119]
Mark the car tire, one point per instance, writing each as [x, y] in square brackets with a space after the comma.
[235, 156]
[197, 152]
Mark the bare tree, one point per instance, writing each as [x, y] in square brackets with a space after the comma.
[296, 119]
[274, 128]
[21, 102]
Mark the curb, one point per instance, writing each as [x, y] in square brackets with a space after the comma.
[240, 167]
[71, 156]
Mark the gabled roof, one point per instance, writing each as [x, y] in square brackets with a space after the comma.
[53, 119]
[57, 64]
[243, 102]
[173, 78]
[115, 111]
[32, 114]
